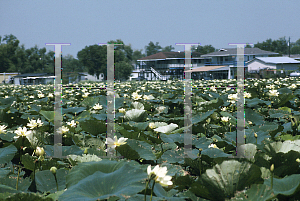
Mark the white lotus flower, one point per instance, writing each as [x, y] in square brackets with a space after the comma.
[97, 107]
[273, 92]
[2, 129]
[72, 123]
[115, 143]
[62, 130]
[41, 95]
[166, 129]
[50, 95]
[160, 175]
[136, 96]
[293, 86]
[152, 125]
[247, 95]
[34, 123]
[213, 146]
[122, 110]
[225, 119]
[85, 95]
[22, 132]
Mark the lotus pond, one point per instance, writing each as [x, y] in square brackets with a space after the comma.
[149, 142]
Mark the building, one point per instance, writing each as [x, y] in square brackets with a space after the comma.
[228, 57]
[6, 77]
[283, 64]
[33, 79]
[166, 65]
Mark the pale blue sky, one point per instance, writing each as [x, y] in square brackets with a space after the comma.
[84, 23]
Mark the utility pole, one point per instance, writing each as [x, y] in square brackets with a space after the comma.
[289, 46]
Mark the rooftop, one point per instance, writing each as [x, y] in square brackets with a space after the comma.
[232, 52]
[277, 60]
[33, 75]
[169, 55]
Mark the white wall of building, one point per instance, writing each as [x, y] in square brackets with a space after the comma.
[257, 65]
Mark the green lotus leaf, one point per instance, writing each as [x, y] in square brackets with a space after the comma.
[140, 125]
[285, 186]
[45, 180]
[142, 148]
[7, 154]
[8, 136]
[137, 105]
[100, 117]
[123, 182]
[84, 158]
[224, 179]
[135, 115]
[259, 192]
[25, 196]
[256, 101]
[84, 116]
[72, 110]
[166, 129]
[27, 161]
[202, 117]
[254, 117]
[49, 115]
[214, 153]
[94, 127]
[177, 156]
[66, 150]
[6, 189]
[83, 170]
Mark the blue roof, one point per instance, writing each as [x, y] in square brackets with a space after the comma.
[278, 60]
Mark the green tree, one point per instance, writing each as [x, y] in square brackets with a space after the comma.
[203, 49]
[295, 47]
[94, 57]
[8, 58]
[137, 54]
[168, 48]
[152, 48]
[123, 70]
[279, 46]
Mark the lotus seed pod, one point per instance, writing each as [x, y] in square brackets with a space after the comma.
[53, 170]
[272, 168]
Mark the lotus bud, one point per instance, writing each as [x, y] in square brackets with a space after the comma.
[255, 135]
[272, 168]
[200, 149]
[39, 151]
[85, 151]
[298, 160]
[53, 170]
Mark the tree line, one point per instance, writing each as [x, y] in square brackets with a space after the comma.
[92, 59]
